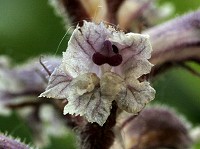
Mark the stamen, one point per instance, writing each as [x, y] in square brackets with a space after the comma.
[99, 59]
[113, 59]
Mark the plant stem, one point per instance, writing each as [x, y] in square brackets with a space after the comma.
[93, 136]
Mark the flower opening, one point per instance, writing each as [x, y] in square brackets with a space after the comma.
[99, 66]
[109, 54]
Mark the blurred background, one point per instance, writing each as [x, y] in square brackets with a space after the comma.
[29, 28]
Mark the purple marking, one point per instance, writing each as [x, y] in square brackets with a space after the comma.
[109, 55]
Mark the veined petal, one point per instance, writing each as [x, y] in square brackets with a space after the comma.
[91, 105]
[99, 66]
[84, 42]
[112, 86]
[96, 105]
[135, 49]
[63, 86]
[82, 84]
[136, 68]
[132, 44]
[58, 84]
[137, 96]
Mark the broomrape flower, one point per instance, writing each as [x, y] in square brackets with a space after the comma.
[102, 65]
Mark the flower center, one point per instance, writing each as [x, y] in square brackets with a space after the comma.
[109, 54]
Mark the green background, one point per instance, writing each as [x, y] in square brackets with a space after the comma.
[30, 28]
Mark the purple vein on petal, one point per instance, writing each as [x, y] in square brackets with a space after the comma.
[81, 47]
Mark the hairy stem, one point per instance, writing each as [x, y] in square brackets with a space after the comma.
[10, 143]
[93, 136]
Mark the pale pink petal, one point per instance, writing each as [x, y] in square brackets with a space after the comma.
[84, 42]
[137, 96]
[92, 106]
[99, 66]
[135, 50]
[58, 84]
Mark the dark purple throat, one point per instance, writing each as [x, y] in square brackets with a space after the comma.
[109, 54]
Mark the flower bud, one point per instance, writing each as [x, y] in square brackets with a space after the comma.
[155, 128]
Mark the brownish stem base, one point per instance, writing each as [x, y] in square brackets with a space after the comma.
[93, 136]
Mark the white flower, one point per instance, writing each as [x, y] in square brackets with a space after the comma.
[99, 66]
